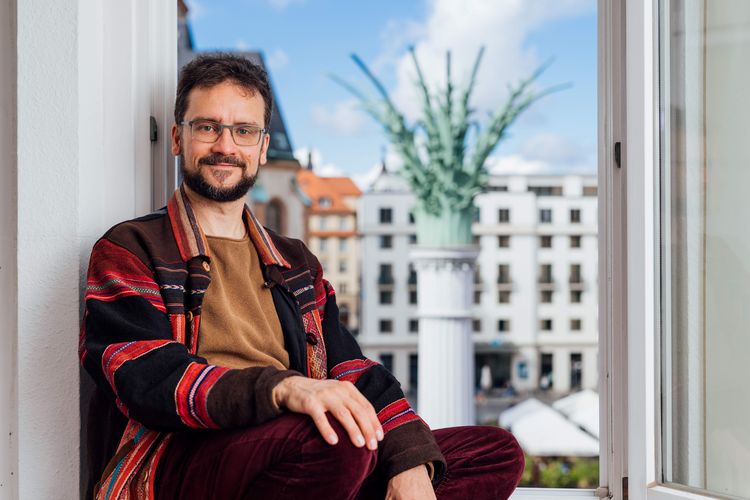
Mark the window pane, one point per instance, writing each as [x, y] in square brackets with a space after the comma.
[704, 241]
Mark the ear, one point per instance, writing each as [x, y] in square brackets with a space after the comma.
[264, 148]
[176, 140]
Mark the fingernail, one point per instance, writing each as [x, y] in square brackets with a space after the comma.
[333, 439]
[360, 441]
[373, 444]
[379, 434]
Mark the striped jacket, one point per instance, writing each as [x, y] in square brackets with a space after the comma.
[141, 328]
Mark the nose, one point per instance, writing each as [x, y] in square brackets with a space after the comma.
[225, 143]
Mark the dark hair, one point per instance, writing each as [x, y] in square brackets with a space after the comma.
[208, 70]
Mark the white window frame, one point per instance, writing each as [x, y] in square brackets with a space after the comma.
[630, 212]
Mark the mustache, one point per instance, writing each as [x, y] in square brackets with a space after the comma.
[215, 159]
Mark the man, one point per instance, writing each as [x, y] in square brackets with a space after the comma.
[220, 343]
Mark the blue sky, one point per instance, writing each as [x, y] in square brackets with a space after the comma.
[305, 41]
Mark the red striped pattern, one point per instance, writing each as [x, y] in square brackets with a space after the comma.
[115, 486]
[266, 249]
[115, 355]
[397, 413]
[191, 394]
[351, 370]
[132, 277]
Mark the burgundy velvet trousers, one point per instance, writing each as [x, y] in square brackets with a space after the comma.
[287, 458]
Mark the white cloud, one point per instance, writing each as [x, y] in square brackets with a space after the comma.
[344, 117]
[283, 4]
[522, 165]
[553, 148]
[463, 27]
[278, 59]
[241, 45]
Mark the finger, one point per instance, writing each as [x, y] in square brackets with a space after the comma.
[369, 411]
[324, 427]
[362, 415]
[344, 416]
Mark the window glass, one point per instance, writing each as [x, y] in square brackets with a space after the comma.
[704, 243]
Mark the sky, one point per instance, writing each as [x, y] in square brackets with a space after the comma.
[304, 42]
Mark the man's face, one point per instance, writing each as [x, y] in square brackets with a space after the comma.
[221, 171]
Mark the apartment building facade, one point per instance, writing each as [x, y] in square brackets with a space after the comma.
[535, 288]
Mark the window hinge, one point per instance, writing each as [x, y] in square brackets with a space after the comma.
[603, 492]
[618, 154]
[153, 130]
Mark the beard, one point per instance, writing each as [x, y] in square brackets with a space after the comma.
[196, 181]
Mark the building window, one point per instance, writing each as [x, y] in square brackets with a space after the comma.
[575, 216]
[412, 297]
[545, 274]
[412, 239]
[413, 325]
[503, 297]
[343, 288]
[503, 241]
[342, 266]
[545, 325]
[323, 244]
[503, 325]
[576, 370]
[575, 273]
[385, 297]
[589, 190]
[545, 241]
[475, 239]
[546, 297]
[503, 215]
[576, 296]
[385, 326]
[545, 216]
[477, 296]
[385, 275]
[386, 359]
[386, 241]
[275, 212]
[386, 215]
[575, 325]
[477, 214]
[413, 372]
[324, 265]
[412, 279]
[503, 273]
[575, 241]
[411, 217]
[324, 202]
[476, 325]
[342, 244]
[344, 223]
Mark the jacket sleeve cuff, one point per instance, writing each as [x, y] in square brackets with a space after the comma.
[245, 397]
[408, 446]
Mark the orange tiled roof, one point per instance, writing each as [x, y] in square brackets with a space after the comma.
[334, 189]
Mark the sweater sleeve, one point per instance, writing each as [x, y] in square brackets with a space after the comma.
[408, 441]
[127, 346]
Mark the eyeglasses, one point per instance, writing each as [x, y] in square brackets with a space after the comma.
[210, 131]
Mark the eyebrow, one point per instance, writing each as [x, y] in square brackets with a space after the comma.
[210, 119]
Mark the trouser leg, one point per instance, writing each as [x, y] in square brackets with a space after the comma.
[285, 458]
[483, 463]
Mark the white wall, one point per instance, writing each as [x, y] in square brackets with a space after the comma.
[47, 293]
[8, 298]
[86, 86]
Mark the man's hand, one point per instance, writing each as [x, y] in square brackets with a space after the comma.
[412, 484]
[341, 399]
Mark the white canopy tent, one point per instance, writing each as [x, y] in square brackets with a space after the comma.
[581, 408]
[544, 432]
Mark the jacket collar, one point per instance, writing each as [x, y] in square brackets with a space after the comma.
[192, 242]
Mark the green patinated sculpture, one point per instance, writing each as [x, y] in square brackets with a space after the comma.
[442, 173]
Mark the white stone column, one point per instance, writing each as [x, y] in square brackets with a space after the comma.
[446, 350]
